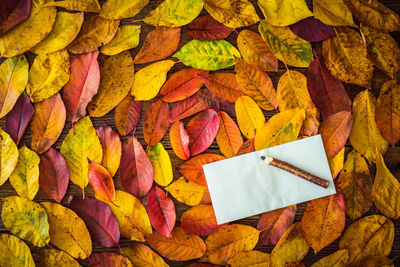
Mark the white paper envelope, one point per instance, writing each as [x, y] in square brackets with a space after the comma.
[245, 185]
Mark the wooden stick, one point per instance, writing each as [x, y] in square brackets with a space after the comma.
[296, 171]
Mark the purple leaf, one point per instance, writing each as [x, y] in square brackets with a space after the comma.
[312, 30]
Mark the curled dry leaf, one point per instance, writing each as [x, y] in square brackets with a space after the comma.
[229, 240]
[356, 184]
[161, 162]
[68, 231]
[193, 168]
[159, 44]
[53, 175]
[54, 257]
[47, 123]
[346, 57]
[8, 156]
[101, 182]
[273, 224]
[187, 192]
[284, 13]
[247, 147]
[207, 28]
[336, 259]
[127, 37]
[77, 5]
[111, 145]
[186, 108]
[12, 13]
[115, 9]
[18, 118]
[199, 220]
[109, 259]
[179, 139]
[312, 30]
[212, 101]
[181, 247]
[156, 122]
[249, 116]
[26, 219]
[370, 236]
[142, 255]
[25, 176]
[332, 12]
[82, 85]
[161, 210]
[136, 171]
[228, 137]
[250, 258]
[202, 130]
[14, 251]
[336, 163]
[223, 85]
[127, 115]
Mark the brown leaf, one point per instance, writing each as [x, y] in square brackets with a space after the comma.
[223, 85]
[13, 12]
[127, 115]
[207, 28]
[156, 122]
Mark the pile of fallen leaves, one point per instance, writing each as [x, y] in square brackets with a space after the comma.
[82, 66]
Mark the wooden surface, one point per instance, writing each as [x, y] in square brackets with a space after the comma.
[392, 157]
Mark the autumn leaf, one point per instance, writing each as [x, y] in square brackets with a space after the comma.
[109, 259]
[159, 44]
[273, 224]
[374, 261]
[250, 258]
[370, 236]
[13, 80]
[65, 29]
[161, 162]
[214, 102]
[386, 188]
[101, 182]
[136, 171]
[208, 55]
[142, 255]
[126, 37]
[25, 219]
[247, 147]
[186, 191]
[25, 177]
[199, 220]
[54, 257]
[172, 13]
[185, 108]
[356, 185]
[127, 115]
[202, 130]
[336, 259]
[223, 85]
[47, 123]
[68, 231]
[387, 112]
[227, 241]
[336, 163]
[281, 128]
[8, 156]
[284, 13]
[77, 5]
[249, 116]
[101, 223]
[82, 86]
[18, 118]
[285, 45]
[14, 251]
[346, 57]
[161, 211]
[207, 28]
[332, 12]
[156, 122]
[81, 144]
[364, 125]
[228, 136]
[232, 13]
[111, 145]
[312, 30]
[114, 9]
[179, 139]
[12, 13]
[148, 80]
[193, 168]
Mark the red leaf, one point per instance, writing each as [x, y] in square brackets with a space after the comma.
[223, 85]
[247, 147]
[161, 211]
[97, 215]
[207, 28]
[312, 30]
[13, 12]
[326, 91]
[183, 84]
[199, 220]
[101, 182]
[212, 101]
[127, 115]
[82, 85]
[186, 108]
[111, 145]
[179, 140]
[109, 259]
[136, 171]
[53, 175]
[156, 122]
[202, 130]
[18, 118]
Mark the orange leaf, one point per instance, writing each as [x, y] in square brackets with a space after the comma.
[228, 136]
[336, 163]
[193, 168]
[111, 145]
[127, 115]
[250, 258]
[101, 182]
[186, 108]
[199, 220]
[179, 140]
[223, 85]
[246, 147]
[156, 122]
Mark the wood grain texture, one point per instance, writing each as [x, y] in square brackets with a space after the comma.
[392, 157]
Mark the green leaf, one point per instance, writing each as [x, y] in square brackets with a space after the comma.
[14, 252]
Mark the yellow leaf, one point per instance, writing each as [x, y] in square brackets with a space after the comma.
[332, 12]
[291, 248]
[65, 29]
[186, 191]
[232, 13]
[148, 81]
[77, 5]
[229, 240]
[26, 219]
[364, 135]
[336, 259]
[116, 9]
[81, 144]
[386, 190]
[134, 223]
[54, 257]
[13, 80]
[250, 258]
[293, 93]
[284, 12]
[116, 79]
[29, 32]
[370, 236]
[336, 163]
[161, 162]
[48, 74]
[281, 128]
[25, 177]
[374, 261]
[8, 156]
[249, 116]
[14, 252]
[142, 255]
[127, 37]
